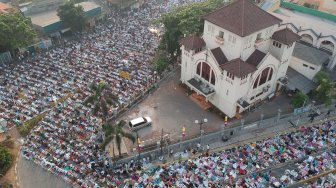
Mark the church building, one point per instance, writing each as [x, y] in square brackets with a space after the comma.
[241, 58]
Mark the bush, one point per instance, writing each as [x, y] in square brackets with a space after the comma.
[6, 160]
[8, 143]
[299, 99]
[160, 61]
[6, 185]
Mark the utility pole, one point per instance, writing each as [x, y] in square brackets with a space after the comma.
[138, 141]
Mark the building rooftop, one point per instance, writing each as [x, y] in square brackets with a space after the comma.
[88, 5]
[238, 67]
[310, 54]
[192, 42]
[306, 22]
[219, 55]
[45, 18]
[298, 81]
[50, 17]
[286, 36]
[242, 17]
[255, 58]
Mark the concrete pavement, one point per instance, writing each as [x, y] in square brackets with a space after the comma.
[171, 110]
[33, 176]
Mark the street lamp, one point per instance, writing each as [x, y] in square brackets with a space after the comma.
[138, 142]
[201, 126]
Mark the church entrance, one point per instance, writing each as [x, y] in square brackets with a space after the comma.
[200, 100]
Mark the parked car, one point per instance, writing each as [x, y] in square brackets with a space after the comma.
[140, 122]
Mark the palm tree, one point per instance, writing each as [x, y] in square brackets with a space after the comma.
[101, 98]
[116, 133]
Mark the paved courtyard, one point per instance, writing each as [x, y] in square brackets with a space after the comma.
[171, 109]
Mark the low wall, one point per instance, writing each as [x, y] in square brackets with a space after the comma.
[310, 11]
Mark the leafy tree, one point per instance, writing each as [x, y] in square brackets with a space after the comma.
[160, 61]
[15, 31]
[171, 36]
[101, 98]
[6, 184]
[72, 16]
[299, 99]
[115, 133]
[185, 20]
[325, 90]
[5, 160]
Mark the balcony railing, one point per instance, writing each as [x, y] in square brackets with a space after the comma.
[219, 40]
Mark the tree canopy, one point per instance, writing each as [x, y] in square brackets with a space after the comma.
[5, 160]
[115, 133]
[160, 61]
[101, 99]
[299, 99]
[325, 90]
[184, 21]
[15, 31]
[72, 16]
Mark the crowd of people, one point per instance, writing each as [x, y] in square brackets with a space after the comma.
[328, 181]
[125, 45]
[66, 141]
[55, 83]
[312, 149]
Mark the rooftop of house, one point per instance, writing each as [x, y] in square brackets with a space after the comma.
[49, 17]
[238, 67]
[310, 54]
[255, 58]
[242, 17]
[286, 36]
[219, 55]
[192, 42]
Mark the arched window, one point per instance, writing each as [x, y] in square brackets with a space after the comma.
[213, 79]
[307, 38]
[255, 85]
[265, 76]
[328, 46]
[204, 70]
[198, 70]
[270, 75]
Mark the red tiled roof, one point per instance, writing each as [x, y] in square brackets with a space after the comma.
[242, 17]
[192, 42]
[238, 67]
[255, 58]
[286, 36]
[219, 55]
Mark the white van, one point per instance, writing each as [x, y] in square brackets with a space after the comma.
[140, 122]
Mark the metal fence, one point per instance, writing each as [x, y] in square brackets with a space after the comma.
[236, 129]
